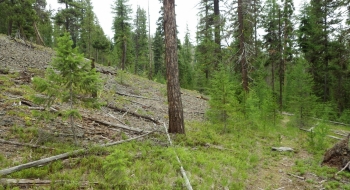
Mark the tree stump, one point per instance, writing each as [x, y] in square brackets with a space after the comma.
[339, 155]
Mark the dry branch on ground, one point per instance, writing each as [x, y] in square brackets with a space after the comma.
[59, 157]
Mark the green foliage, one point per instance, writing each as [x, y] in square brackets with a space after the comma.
[158, 47]
[299, 95]
[186, 71]
[122, 33]
[140, 40]
[317, 137]
[68, 19]
[115, 167]
[68, 77]
[223, 103]
[260, 106]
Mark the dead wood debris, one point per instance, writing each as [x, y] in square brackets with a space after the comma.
[24, 144]
[339, 155]
[132, 113]
[61, 156]
[142, 97]
[36, 182]
[296, 176]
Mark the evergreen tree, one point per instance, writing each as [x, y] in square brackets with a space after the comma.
[69, 18]
[299, 94]
[18, 16]
[68, 77]
[88, 28]
[186, 62]
[43, 23]
[287, 50]
[176, 117]
[122, 32]
[159, 49]
[99, 42]
[206, 46]
[140, 41]
[223, 103]
[272, 40]
[318, 23]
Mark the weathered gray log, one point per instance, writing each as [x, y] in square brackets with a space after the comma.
[24, 144]
[132, 113]
[116, 125]
[142, 97]
[21, 182]
[60, 156]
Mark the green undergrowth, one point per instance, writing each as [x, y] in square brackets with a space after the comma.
[212, 160]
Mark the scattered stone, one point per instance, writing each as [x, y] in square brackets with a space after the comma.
[283, 149]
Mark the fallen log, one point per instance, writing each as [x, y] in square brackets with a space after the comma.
[203, 98]
[130, 95]
[116, 125]
[21, 182]
[293, 175]
[60, 156]
[24, 144]
[132, 113]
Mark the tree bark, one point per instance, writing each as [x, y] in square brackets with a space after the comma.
[242, 53]
[217, 32]
[176, 119]
[124, 54]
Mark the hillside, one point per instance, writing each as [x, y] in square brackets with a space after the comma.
[134, 106]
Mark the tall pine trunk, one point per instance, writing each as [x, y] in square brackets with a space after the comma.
[242, 52]
[176, 119]
[217, 32]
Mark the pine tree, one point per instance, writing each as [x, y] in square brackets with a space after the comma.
[159, 49]
[140, 41]
[176, 117]
[122, 32]
[186, 62]
[99, 42]
[318, 24]
[206, 50]
[223, 103]
[69, 18]
[300, 98]
[88, 28]
[67, 78]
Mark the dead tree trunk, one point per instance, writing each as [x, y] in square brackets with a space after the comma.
[176, 119]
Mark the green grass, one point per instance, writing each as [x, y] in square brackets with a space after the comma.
[239, 159]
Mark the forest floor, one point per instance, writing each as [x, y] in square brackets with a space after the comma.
[132, 106]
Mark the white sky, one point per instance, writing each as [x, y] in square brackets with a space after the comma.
[186, 14]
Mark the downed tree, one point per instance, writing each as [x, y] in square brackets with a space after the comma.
[339, 155]
[142, 97]
[36, 182]
[60, 156]
[116, 125]
[24, 144]
[132, 113]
